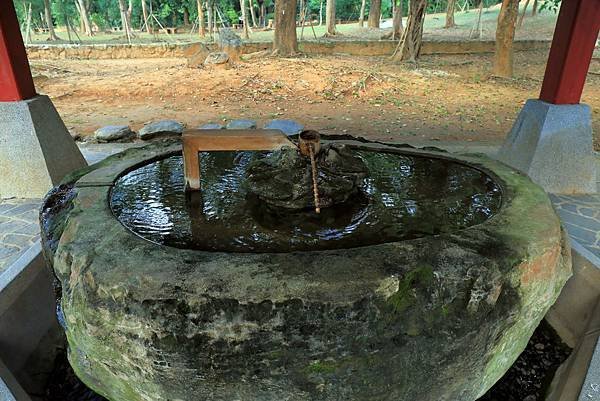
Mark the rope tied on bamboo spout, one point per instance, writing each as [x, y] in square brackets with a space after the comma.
[309, 145]
[313, 165]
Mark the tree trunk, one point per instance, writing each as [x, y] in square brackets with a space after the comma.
[85, 18]
[396, 32]
[263, 13]
[245, 19]
[505, 34]
[65, 19]
[476, 30]
[126, 19]
[330, 18]
[401, 9]
[409, 47]
[534, 10]
[321, 13]
[522, 17]
[361, 16]
[374, 14]
[253, 14]
[397, 22]
[450, 14]
[81, 24]
[215, 18]
[186, 16]
[28, 25]
[209, 16]
[201, 29]
[145, 15]
[49, 22]
[129, 11]
[285, 42]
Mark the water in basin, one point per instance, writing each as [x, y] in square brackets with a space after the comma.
[403, 197]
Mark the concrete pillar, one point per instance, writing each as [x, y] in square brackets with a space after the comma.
[551, 141]
[572, 49]
[552, 144]
[36, 149]
[15, 76]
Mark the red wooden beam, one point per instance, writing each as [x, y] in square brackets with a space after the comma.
[15, 75]
[571, 52]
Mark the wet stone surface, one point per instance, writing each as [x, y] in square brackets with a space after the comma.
[526, 380]
[402, 197]
[283, 179]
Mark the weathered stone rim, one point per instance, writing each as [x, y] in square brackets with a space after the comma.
[505, 192]
[386, 291]
[92, 220]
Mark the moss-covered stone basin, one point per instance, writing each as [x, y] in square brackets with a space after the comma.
[435, 318]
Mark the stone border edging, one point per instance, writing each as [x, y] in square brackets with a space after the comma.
[15, 279]
[321, 47]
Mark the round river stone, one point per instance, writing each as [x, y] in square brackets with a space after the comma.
[435, 318]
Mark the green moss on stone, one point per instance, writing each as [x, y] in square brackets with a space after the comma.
[321, 367]
[406, 296]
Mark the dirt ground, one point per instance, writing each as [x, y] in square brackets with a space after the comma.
[447, 98]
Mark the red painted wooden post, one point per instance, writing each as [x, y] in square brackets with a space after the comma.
[572, 48]
[16, 82]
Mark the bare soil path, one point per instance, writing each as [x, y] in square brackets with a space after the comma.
[447, 98]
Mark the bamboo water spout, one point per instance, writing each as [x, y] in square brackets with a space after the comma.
[195, 141]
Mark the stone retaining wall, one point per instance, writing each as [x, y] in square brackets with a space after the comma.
[387, 47]
[357, 47]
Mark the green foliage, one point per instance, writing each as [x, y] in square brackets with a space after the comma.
[552, 5]
[232, 15]
[105, 13]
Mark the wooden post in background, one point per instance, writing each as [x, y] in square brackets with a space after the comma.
[16, 82]
[571, 52]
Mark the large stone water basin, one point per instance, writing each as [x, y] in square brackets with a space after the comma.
[435, 318]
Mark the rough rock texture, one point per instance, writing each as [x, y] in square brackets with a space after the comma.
[439, 318]
[284, 178]
[196, 55]
[241, 124]
[288, 127]
[217, 59]
[230, 43]
[112, 133]
[211, 126]
[161, 128]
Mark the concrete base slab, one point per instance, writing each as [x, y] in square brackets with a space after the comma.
[36, 150]
[552, 144]
[10, 389]
[578, 378]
